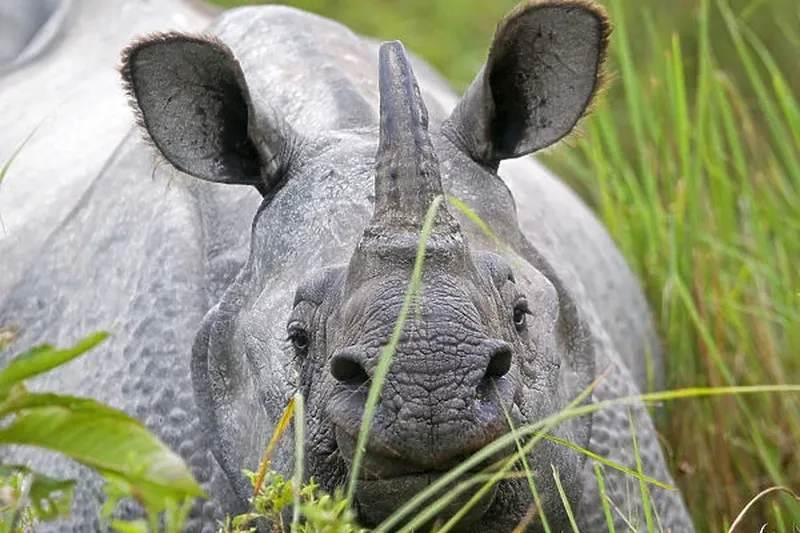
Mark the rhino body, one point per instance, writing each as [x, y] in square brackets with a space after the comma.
[66, 106]
[290, 229]
[28, 29]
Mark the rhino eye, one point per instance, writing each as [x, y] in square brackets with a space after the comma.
[298, 336]
[521, 313]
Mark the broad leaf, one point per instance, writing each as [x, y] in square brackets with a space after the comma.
[42, 358]
[100, 437]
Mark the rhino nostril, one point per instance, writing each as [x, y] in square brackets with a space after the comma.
[500, 363]
[347, 370]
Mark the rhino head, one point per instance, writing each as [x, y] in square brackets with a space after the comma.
[496, 337]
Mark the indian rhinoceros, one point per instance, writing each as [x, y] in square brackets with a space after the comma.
[285, 265]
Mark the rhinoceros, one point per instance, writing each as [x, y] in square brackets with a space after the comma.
[259, 238]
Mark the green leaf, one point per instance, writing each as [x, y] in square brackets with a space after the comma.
[101, 437]
[638, 475]
[473, 216]
[50, 497]
[42, 358]
[20, 399]
[299, 452]
[565, 500]
[601, 486]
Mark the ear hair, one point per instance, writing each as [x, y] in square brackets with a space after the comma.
[589, 5]
[125, 66]
[190, 96]
[526, 97]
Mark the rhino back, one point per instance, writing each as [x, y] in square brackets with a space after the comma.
[68, 109]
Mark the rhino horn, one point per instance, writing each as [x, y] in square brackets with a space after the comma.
[407, 175]
[407, 179]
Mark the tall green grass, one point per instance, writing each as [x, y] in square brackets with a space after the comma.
[692, 160]
[704, 200]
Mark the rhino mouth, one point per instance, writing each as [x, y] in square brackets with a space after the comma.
[386, 483]
[378, 499]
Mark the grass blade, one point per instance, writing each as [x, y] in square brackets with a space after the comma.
[299, 456]
[757, 497]
[604, 498]
[564, 499]
[283, 423]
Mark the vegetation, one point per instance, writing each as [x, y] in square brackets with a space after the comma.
[133, 461]
[702, 198]
[692, 159]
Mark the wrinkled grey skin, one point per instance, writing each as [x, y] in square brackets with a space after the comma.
[290, 106]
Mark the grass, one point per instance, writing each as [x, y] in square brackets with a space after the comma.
[703, 202]
[692, 160]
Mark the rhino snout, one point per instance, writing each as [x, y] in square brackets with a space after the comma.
[347, 367]
[433, 412]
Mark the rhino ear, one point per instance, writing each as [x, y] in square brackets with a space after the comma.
[544, 67]
[192, 101]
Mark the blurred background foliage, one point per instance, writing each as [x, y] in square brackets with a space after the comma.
[454, 35]
[692, 160]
